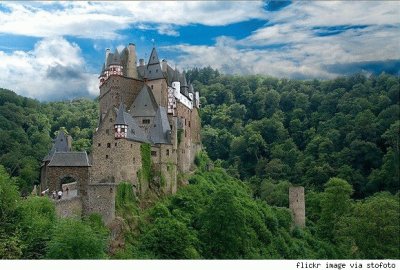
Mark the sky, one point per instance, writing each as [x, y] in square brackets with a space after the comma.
[55, 50]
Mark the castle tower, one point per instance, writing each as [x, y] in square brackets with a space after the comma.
[131, 70]
[115, 67]
[297, 205]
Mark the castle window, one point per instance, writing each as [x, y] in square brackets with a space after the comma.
[108, 145]
[151, 86]
[110, 120]
[185, 133]
[106, 156]
[146, 121]
[115, 144]
[99, 144]
[134, 160]
[153, 153]
[131, 145]
[189, 123]
[167, 152]
[107, 131]
[157, 70]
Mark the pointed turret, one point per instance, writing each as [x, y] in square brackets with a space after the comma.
[153, 57]
[160, 133]
[121, 124]
[116, 59]
[145, 104]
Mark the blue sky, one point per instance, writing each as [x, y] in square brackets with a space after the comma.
[54, 50]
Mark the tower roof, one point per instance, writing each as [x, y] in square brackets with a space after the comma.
[175, 78]
[116, 59]
[153, 57]
[144, 104]
[183, 80]
[191, 90]
[60, 145]
[158, 132]
[121, 119]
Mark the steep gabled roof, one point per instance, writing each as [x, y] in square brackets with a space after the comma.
[121, 119]
[159, 131]
[69, 159]
[154, 72]
[145, 104]
[153, 57]
[135, 133]
[60, 145]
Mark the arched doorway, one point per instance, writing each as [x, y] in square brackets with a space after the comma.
[66, 180]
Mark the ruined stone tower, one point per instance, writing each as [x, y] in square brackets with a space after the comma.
[297, 205]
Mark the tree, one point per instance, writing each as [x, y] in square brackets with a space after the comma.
[335, 203]
[74, 239]
[372, 231]
[37, 217]
[169, 239]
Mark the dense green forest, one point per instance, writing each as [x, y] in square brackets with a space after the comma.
[338, 138]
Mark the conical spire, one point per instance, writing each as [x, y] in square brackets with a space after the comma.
[116, 60]
[183, 81]
[175, 77]
[153, 57]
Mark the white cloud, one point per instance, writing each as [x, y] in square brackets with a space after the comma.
[102, 20]
[54, 69]
[290, 45]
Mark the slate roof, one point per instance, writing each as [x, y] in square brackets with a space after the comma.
[191, 90]
[116, 59]
[135, 133]
[60, 145]
[160, 132]
[145, 104]
[121, 119]
[153, 57]
[69, 159]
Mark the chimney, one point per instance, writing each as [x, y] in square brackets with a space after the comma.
[131, 70]
[141, 62]
[107, 53]
[164, 65]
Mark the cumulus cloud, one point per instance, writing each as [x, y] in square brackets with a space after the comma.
[308, 39]
[53, 70]
[103, 20]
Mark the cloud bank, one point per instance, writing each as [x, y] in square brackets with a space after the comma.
[53, 70]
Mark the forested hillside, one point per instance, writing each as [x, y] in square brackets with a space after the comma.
[28, 126]
[338, 138]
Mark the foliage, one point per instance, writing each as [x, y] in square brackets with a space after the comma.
[145, 151]
[371, 230]
[74, 239]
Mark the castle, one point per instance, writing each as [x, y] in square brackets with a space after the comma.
[148, 133]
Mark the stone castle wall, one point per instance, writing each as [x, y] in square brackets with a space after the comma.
[100, 199]
[297, 205]
[69, 208]
[56, 174]
[114, 160]
[118, 88]
[160, 91]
